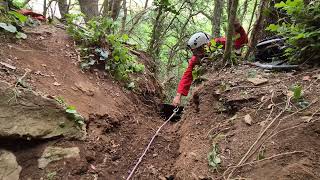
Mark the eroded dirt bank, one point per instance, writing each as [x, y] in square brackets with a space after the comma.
[119, 122]
[235, 115]
[228, 111]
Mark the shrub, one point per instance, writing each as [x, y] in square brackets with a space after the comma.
[100, 44]
[301, 29]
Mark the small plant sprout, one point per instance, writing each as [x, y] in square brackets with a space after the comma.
[214, 159]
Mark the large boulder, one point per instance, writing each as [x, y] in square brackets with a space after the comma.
[26, 114]
[9, 168]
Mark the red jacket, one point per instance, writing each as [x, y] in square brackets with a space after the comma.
[186, 80]
[238, 43]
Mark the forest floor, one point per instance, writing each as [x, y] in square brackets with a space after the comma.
[227, 111]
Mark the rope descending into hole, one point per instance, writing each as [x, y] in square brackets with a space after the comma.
[152, 139]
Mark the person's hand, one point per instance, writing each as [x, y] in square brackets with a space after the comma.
[176, 100]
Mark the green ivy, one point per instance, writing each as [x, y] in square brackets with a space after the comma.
[301, 29]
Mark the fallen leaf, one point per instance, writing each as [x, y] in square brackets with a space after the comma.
[56, 84]
[257, 81]
[248, 119]
[306, 78]
[290, 93]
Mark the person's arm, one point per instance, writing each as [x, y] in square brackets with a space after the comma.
[185, 82]
[243, 39]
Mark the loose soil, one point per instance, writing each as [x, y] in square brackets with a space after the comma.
[120, 122]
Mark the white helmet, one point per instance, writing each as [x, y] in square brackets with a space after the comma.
[198, 39]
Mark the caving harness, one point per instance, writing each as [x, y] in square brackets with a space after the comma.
[152, 139]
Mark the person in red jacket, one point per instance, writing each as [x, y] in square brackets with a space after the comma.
[196, 44]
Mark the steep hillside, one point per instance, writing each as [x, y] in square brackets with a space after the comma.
[259, 131]
[251, 123]
[119, 122]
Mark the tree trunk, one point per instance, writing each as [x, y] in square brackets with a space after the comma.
[154, 39]
[124, 18]
[89, 8]
[252, 15]
[257, 27]
[116, 6]
[244, 11]
[216, 20]
[63, 8]
[232, 12]
[105, 8]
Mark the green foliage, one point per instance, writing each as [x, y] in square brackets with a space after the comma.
[71, 112]
[214, 51]
[213, 157]
[297, 96]
[102, 45]
[301, 29]
[166, 5]
[297, 92]
[51, 175]
[11, 21]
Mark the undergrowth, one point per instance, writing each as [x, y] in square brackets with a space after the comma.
[12, 21]
[301, 29]
[101, 45]
[71, 112]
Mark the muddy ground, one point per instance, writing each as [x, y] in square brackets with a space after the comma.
[120, 123]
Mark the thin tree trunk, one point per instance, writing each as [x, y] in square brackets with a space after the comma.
[252, 15]
[116, 6]
[63, 8]
[124, 18]
[244, 10]
[146, 4]
[232, 12]
[154, 39]
[105, 8]
[216, 20]
[44, 13]
[257, 27]
[89, 8]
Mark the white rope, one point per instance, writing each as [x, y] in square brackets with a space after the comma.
[154, 136]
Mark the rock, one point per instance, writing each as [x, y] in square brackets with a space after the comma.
[30, 115]
[306, 78]
[257, 81]
[52, 154]
[56, 84]
[248, 119]
[9, 168]
[87, 88]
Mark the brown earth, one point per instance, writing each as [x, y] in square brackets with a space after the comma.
[120, 123]
[216, 116]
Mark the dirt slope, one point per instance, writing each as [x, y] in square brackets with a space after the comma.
[119, 122]
[289, 148]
